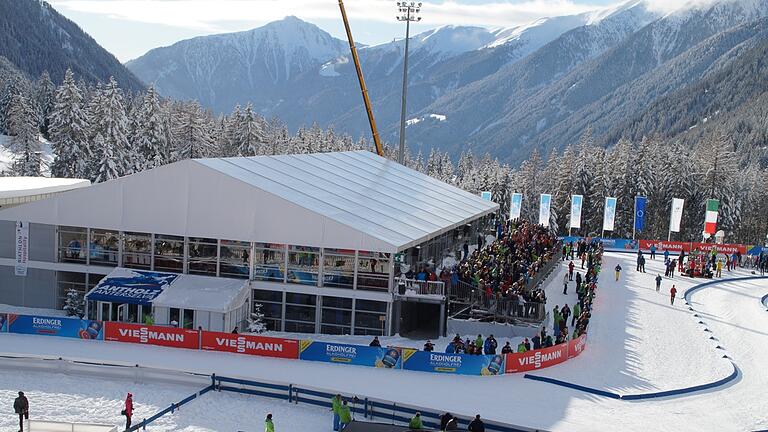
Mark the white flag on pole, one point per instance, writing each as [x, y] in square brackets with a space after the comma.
[609, 217]
[677, 214]
[576, 202]
[515, 205]
[544, 209]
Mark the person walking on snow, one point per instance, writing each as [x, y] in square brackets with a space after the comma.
[565, 283]
[128, 411]
[21, 407]
[268, 425]
[618, 271]
[345, 416]
[576, 313]
[653, 252]
[672, 294]
[336, 408]
[658, 282]
[570, 270]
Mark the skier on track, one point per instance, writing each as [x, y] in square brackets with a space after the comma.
[21, 407]
[618, 271]
[672, 294]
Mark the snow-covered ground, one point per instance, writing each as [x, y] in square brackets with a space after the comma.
[7, 156]
[57, 397]
[637, 343]
[20, 310]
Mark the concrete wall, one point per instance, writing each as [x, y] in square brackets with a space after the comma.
[473, 328]
[37, 289]
[7, 239]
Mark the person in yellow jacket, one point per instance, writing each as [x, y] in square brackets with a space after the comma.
[416, 423]
[719, 268]
[345, 416]
[268, 425]
[335, 408]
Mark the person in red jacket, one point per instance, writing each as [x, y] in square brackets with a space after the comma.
[128, 411]
[672, 294]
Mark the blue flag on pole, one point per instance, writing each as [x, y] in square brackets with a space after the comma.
[640, 212]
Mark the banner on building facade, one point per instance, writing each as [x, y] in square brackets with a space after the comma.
[545, 203]
[515, 206]
[460, 364]
[609, 215]
[151, 335]
[576, 205]
[54, 326]
[251, 345]
[677, 214]
[22, 248]
[710, 222]
[486, 195]
[640, 212]
[361, 355]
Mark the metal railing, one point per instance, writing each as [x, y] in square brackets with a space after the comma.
[408, 287]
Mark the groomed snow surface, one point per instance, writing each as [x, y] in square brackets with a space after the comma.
[638, 343]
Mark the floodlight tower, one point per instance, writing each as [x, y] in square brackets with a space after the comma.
[408, 12]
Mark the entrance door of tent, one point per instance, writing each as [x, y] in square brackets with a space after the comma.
[421, 320]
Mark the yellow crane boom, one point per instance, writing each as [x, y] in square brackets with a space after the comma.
[366, 99]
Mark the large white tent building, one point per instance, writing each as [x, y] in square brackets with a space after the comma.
[319, 238]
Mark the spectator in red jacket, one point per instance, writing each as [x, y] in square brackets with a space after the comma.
[672, 294]
[128, 411]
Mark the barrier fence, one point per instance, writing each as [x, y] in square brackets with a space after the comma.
[292, 349]
[671, 246]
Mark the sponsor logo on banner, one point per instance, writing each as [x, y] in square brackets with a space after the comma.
[151, 335]
[361, 355]
[609, 215]
[576, 346]
[677, 214]
[54, 326]
[640, 213]
[22, 248]
[538, 359]
[3, 323]
[687, 247]
[462, 364]
[125, 284]
[251, 345]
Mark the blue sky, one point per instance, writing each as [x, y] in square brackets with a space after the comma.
[129, 28]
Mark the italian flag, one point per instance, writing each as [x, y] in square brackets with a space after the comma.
[710, 222]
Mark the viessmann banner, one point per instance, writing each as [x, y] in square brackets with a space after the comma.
[54, 326]
[151, 335]
[688, 246]
[545, 357]
[461, 364]
[251, 345]
[387, 358]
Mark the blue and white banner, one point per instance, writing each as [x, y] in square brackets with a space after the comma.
[462, 364]
[609, 217]
[361, 355]
[544, 209]
[640, 212]
[3, 323]
[55, 326]
[131, 286]
[486, 195]
[515, 205]
[576, 204]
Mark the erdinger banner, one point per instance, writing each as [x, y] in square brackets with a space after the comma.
[54, 326]
[462, 364]
[687, 247]
[537, 359]
[387, 358]
[251, 345]
[151, 335]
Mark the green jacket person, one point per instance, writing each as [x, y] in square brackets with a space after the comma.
[415, 423]
[268, 425]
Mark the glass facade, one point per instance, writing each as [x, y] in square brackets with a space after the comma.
[368, 317]
[303, 265]
[203, 255]
[300, 312]
[336, 315]
[235, 259]
[269, 262]
[104, 247]
[137, 251]
[73, 244]
[373, 271]
[169, 253]
[271, 306]
[338, 268]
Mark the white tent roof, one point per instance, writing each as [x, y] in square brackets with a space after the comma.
[14, 187]
[212, 294]
[347, 200]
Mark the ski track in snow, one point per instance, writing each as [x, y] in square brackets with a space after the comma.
[637, 343]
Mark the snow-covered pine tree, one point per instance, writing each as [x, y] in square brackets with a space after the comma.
[111, 122]
[191, 132]
[73, 304]
[250, 133]
[107, 164]
[68, 131]
[150, 137]
[22, 126]
[256, 322]
[13, 86]
[45, 95]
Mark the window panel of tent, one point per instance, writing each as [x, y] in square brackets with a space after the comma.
[73, 244]
[202, 256]
[104, 247]
[269, 262]
[303, 265]
[235, 259]
[169, 253]
[373, 271]
[338, 268]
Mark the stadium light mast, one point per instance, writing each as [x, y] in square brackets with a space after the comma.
[408, 12]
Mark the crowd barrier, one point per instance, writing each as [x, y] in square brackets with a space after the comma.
[307, 350]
